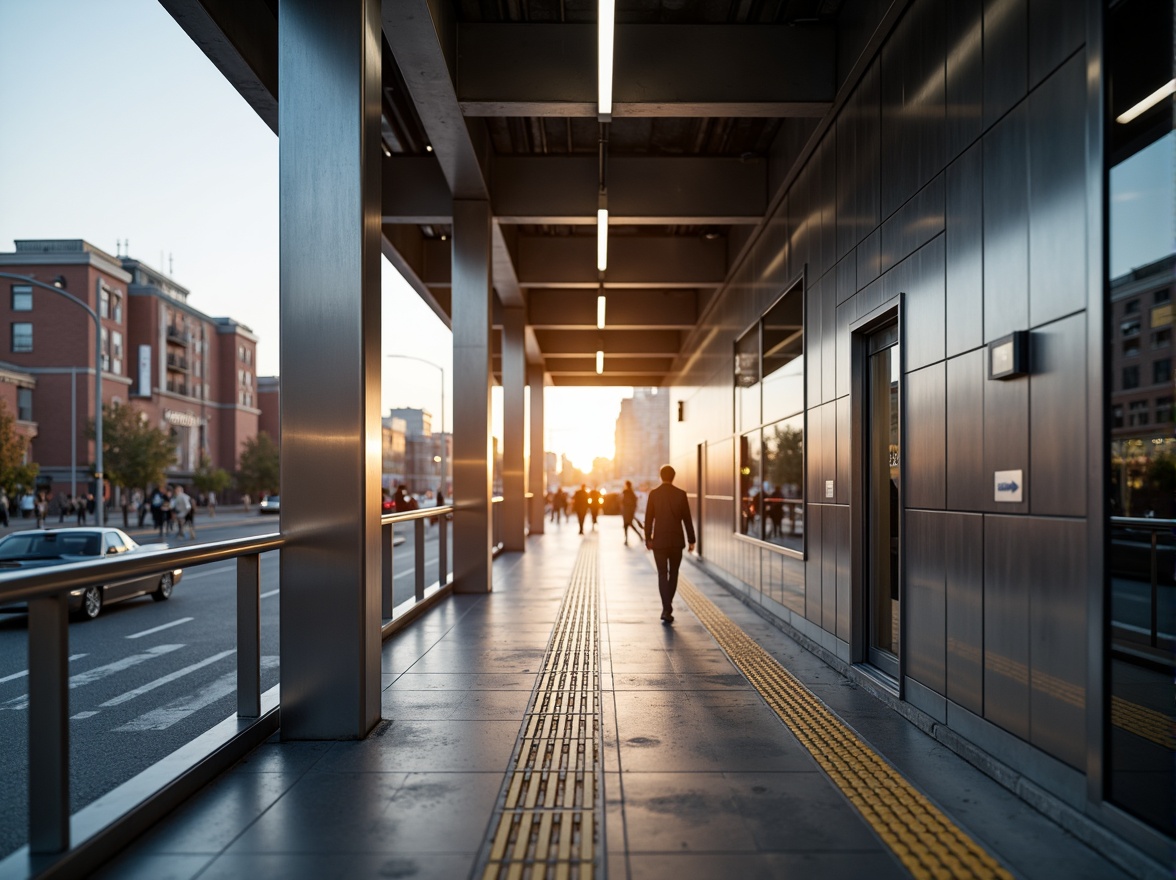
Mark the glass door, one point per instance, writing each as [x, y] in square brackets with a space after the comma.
[883, 482]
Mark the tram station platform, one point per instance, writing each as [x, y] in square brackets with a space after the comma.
[557, 728]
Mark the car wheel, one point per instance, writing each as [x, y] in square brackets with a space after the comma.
[91, 603]
[164, 591]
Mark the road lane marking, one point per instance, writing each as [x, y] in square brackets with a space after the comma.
[207, 573]
[165, 679]
[99, 672]
[82, 715]
[161, 628]
[25, 672]
[179, 709]
[266, 595]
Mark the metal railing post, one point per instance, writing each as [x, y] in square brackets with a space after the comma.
[419, 540]
[442, 550]
[387, 535]
[249, 636]
[49, 724]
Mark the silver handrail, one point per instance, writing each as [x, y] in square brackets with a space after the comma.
[387, 535]
[1155, 527]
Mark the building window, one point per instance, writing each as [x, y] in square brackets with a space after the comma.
[1137, 413]
[1164, 410]
[769, 381]
[116, 308]
[22, 336]
[1131, 348]
[104, 303]
[24, 404]
[22, 298]
[1117, 416]
[1130, 377]
[1132, 308]
[1130, 327]
[105, 350]
[1162, 338]
[1162, 296]
[1161, 371]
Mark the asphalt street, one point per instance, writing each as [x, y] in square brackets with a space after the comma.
[147, 677]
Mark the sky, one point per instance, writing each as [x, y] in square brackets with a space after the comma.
[118, 128]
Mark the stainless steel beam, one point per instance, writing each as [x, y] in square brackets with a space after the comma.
[472, 519]
[625, 309]
[329, 197]
[249, 636]
[537, 471]
[48, 734]
[541, 69]
[415, 191]
[514, 487]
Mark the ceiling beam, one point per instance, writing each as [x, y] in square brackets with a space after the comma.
[625, 309]
[641, 189]
[630, 343]
[607, 380]
[414, 190]
[521, 70]
[583, 364]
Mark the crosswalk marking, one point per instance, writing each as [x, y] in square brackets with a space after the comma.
[160, 628]
[166, 679]
[98, 673]
[24, 672]
[181, 707]
[82, 715]
[269, 593]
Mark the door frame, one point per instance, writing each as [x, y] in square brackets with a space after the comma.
[890, 312]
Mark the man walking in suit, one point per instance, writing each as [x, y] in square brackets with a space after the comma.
[667, 512]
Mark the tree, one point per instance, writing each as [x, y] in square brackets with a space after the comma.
[135, 454]
[259, 467]
[13, 469]
[210, 479]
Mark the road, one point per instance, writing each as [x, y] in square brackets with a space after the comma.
[147, 677]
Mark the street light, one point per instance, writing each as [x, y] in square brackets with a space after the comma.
[100, 499]
[444, 441]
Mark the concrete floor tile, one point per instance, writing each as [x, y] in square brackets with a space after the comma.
[683, 812]
[283, 757]
[457, 705]
[447, 745]
[153, 866]
[767, 866]
[470, 681]
[339, 866]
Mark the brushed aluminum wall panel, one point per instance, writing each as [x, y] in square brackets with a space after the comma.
[857, 171]
[920, 277]
[814, 572]
[868, 298]
[1057, 194]
[828, 338]
[776, 272]
[964, 572]
[1006, 225]
[846, 277]
[814, 454]
[1008, 548]
[830, 521]
[844, 447]
[844, 317]
[964, 307]
[800, 221]
[914, 224]
[968, 484]
[1057, 638]
[825, 205]
[1057, 417]
[912, 101]
[964, 92]
[1006, 56]
[814, 341]
[1006, 439]
[925, 599]
[792, 590]
[1056, 30]
[869, 259]
[828, 449]
[844, 574]
[925, 463]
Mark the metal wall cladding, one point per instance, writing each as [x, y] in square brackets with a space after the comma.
[914, 224]
[844, 449]
[913, 109]
[1057, 418]
[964, 572]
[1057, 29]
[1006, 439]
[843, 317]
[1006, 225]
[814, 341]
[1057, 638]
[963, 35]
[1006, 56]
[814, 570]
[830, 531]
[1057, 195]
[964, 293]
[829, 337]
[858, 164]
[1008, 548]
[925, 463]
[828, 452]
[920, 279]
[925, 599]
[968, 484]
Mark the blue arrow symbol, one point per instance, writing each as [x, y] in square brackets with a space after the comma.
[1007, 487]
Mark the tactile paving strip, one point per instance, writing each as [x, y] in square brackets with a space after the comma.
[548, 824]
[928, 843]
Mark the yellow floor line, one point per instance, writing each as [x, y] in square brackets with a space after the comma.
[1143, 722]
[549, 824]
[926, 841]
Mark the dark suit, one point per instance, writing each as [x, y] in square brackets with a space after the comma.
[667, 513]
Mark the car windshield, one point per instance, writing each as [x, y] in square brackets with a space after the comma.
[49, 545]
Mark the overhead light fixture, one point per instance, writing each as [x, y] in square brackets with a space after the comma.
[600, 311]
[387, 152]
[601, 239]
[428, 148]
[606, 26]
[599, 362]
[1168, 88]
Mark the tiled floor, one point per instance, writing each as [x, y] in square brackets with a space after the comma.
[701, 779]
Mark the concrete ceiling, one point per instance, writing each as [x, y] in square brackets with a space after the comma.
[714, 101]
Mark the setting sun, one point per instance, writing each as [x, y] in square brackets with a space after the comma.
[581, 422]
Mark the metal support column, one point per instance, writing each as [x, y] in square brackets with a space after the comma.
[49, 724]
[514, 377]
[329, 197]
[472, 322]
[249, 636]
[537, 476]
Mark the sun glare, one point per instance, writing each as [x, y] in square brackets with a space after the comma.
[581, 422]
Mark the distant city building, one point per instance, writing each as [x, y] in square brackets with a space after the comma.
[394, 446]
[551, 469]
[191, 374]
[642, 437]
[421, 471]
[269, 401]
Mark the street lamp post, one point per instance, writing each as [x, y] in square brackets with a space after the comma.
[99, 501]
[444, 443]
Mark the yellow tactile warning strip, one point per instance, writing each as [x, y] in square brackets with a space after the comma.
[1143, 722]
[550, 819]
[928, 843]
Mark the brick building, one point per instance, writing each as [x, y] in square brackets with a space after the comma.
[193, 375]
